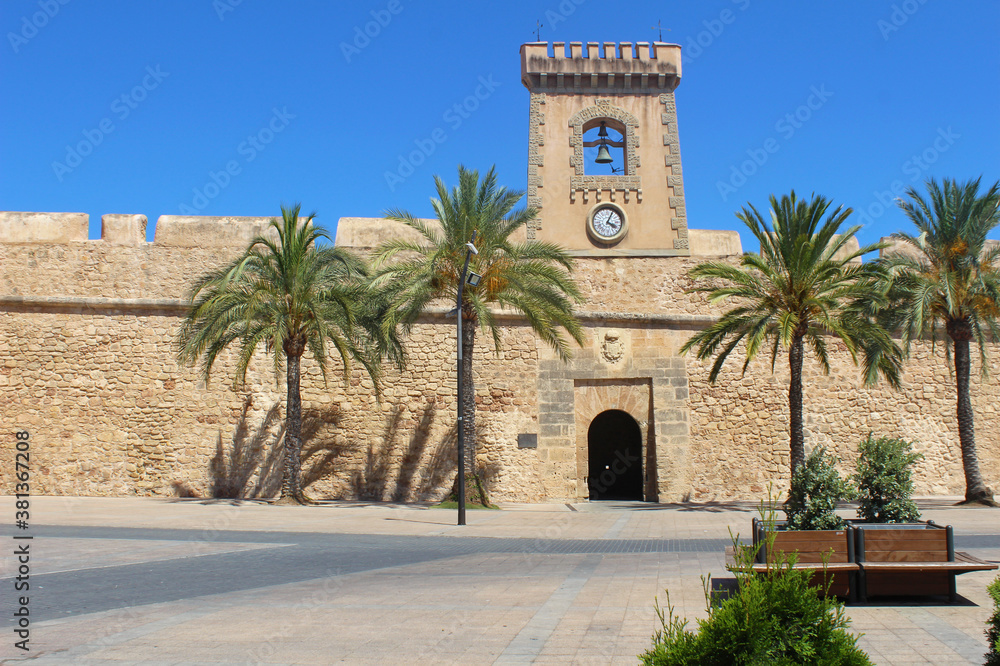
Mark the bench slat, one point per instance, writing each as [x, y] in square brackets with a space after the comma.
[906, 545]
[906, 542]
[833, 566]
[805, 558]
[761, 568]
[925, 535]
[905, 556]
[964, 557]
[838, 541]
[917, 566]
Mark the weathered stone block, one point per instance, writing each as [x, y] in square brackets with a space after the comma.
[202, 231]
[20, 227]
[714, 243]
[123, 229]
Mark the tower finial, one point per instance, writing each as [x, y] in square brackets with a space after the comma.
[660, 28]
[538, 31]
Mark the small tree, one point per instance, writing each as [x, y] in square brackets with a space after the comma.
[814, 494]
[885, 480]
[775, 618]
[993, 630]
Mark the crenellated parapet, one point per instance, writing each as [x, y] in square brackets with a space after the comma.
[47, 260]
[18, 227]
[623, 67]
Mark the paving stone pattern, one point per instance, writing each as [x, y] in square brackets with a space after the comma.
[148, 581]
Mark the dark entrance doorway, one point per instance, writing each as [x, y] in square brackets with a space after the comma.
[614, 453]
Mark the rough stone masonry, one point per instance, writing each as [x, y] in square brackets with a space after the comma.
[88, 361]
[88, 366]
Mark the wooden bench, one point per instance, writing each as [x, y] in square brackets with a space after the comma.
[811, 549]
[911, 559]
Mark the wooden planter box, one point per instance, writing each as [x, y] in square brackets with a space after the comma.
[910, 559]
[811, 547]
[871, 559]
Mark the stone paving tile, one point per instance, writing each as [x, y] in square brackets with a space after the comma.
[469, 608]
[61, 554]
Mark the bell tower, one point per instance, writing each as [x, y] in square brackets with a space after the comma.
[604, 161]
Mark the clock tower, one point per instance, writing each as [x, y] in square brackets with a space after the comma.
[604, 163]
[604, 172]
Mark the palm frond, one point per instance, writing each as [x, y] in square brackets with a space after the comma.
[803, 283]
[533, 278]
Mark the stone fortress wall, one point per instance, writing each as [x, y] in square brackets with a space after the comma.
[88, 366]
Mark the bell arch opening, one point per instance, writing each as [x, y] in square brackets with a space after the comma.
[614, 457]
[604, 148]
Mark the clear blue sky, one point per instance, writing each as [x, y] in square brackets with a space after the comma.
[162, 95]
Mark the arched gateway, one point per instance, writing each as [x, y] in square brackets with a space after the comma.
[614, 451]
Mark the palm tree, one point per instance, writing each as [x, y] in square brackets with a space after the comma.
[531, 278]
[947, 278]
[289, 296]
[796, 291]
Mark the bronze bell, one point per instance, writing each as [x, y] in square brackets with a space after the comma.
[603, 156]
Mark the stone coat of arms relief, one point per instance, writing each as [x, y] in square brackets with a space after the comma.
[612, 346]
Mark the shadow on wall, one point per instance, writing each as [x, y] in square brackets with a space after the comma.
[251, 465]
[415, 480]
[231, 471]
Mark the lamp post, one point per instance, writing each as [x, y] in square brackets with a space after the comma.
[473, 279]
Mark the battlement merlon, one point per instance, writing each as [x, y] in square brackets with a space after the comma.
[17, 227]
[623, 68]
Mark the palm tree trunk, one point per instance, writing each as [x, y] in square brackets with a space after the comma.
[475, 490]
[796, 437]
[291, 491]
[975, 488]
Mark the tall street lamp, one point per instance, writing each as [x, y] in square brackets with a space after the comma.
[473, 280]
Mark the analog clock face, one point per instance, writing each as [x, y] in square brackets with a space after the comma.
[606, 224]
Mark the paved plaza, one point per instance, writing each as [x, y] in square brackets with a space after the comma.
[183, 581]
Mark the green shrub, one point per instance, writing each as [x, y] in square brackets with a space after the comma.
[772, 618]
[885, 480]
[816, 489]
[993, 630]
